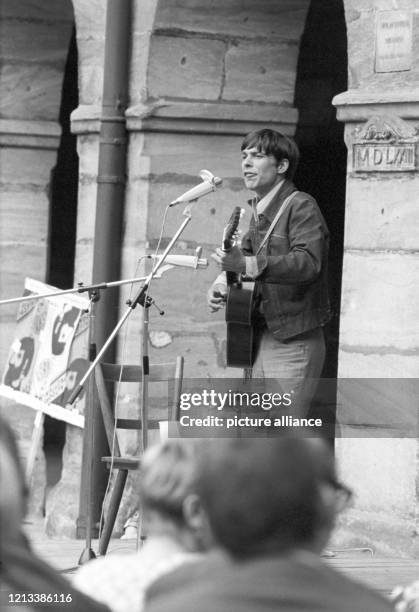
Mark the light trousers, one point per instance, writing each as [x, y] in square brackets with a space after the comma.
[292, 366]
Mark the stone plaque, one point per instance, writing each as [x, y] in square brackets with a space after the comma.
[382, 158]
[385, 144]
[393, 41]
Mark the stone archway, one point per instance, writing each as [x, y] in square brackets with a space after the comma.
[35, 40]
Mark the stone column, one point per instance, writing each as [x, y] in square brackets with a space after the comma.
[379, 338]
[90, 16]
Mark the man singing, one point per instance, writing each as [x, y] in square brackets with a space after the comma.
[289, 267]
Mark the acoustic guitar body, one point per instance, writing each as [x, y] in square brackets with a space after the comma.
[241, 341]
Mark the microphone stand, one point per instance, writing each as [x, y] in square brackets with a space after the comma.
[145, 301]
[80, 289]
[88, 554]
[139, 298]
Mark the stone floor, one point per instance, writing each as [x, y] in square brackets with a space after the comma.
[379, 572]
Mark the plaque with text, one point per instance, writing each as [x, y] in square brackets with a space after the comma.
[385, 144]
[384, 157]
[393, 41]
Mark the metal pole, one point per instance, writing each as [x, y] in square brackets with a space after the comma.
[109, 217]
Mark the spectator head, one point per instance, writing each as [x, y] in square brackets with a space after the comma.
[168, 493]
[264, 496]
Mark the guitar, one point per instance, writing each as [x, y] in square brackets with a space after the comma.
[240, 307]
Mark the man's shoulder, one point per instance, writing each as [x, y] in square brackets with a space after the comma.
[298, 199]
[353, 595]
[305, 205]
[282, 583]
[187, 574]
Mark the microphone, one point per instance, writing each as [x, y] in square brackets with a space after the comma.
[209, 183]
[187, 261]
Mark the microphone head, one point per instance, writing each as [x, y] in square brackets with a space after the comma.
[208, 176]
[209, 183]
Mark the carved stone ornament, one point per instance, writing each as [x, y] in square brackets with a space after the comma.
[381, 128]
[384, 144]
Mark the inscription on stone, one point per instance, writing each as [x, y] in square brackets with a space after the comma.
[385, 144]
[384, 158]
[393, 41]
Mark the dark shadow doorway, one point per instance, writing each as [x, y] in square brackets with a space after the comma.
[321, 74]
[62, 234]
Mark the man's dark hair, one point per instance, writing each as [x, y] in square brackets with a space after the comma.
[274, 143]
[262, 495]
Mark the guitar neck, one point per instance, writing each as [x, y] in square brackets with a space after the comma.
[229, 241]
[232, 277]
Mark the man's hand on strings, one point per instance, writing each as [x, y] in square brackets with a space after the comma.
[230, 261]
[216, 296]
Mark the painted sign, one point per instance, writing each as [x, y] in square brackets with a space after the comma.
[393, 41]
[47, 357]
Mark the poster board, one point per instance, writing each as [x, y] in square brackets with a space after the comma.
[47, 357]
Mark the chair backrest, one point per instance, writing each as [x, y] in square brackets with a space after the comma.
[114, 373]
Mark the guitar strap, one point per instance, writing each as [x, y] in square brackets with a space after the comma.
[280, 212]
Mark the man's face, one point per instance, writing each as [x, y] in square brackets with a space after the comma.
[260, 171]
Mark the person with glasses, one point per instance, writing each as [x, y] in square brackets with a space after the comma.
[271, 504]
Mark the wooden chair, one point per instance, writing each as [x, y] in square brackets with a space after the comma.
[108, 372]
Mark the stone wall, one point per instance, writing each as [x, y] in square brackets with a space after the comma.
[379, 336]
[35, 37]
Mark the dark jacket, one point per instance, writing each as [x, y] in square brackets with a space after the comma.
[282, 583]
[292, 266]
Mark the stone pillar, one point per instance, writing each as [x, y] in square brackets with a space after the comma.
[379, 336]
[90, 17]
[90, 27]
[33, 55]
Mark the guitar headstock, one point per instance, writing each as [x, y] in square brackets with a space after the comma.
[230, 229]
